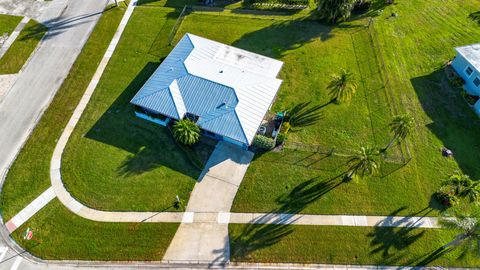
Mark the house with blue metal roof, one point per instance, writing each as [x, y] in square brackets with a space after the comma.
[226, 90]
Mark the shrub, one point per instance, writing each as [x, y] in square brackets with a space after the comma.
[263, 142]
[362, 5]
[186, 132]
[446, 196]
[281, 138]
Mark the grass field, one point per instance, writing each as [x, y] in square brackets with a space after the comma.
[115, 161]
[22, 47]
[344, 245]
[8, 23]
[414, 45]
[29, 175]
[61, 235]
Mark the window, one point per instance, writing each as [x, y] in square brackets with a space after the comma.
[192, 117]
[209, 133]
[476, 82]
[469, 71]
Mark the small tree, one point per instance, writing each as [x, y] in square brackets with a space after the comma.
[186, 132]
[335, 10]
[363, 163]
[401, 127]
[342, 87]
[468, 228]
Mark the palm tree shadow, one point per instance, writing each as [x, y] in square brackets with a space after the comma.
[255, 237]
[391, 238]
[271, 228]
[306, 193]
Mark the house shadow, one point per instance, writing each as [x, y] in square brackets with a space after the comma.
[452, 121]
[150, 145]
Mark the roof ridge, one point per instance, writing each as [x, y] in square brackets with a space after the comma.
[226, 111]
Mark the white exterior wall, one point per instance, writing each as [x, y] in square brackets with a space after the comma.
[460, 64]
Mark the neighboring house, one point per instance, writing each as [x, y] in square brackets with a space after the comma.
[225, 90]
[467, 65]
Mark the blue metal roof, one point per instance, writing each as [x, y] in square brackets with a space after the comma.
[214, 103]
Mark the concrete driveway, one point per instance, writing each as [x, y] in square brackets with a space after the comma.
[203, 238]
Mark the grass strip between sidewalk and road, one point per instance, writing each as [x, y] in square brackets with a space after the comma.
[345, 245]
[8, 23]
[21, 49]
[59, 234]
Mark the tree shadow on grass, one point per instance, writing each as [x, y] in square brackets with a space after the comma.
[306, 193]
[255, 237]
[271, 227]
[285, 35]
[452, 121]
[150, 145]
[475, 16]
[59, 25]
[391, 237]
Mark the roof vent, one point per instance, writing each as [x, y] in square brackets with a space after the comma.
[171, 69]
[223, 104]
[221, 71]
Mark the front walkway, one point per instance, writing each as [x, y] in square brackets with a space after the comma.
[206, 239]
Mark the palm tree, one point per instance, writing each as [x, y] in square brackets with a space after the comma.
[471, 190]
[335, 10]
[186, 132]
[401, 127]
[468, 227]
[302, 115]
[363, 163]
[457, 181]
[342, 87]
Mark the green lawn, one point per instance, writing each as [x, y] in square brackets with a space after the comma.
[29, 175]
[344, 245]
[115, 161]
[22, 47]
[414, 45]
[8, 23]
[60, 235]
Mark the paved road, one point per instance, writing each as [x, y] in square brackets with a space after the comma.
[24, 103]
[70, 26]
